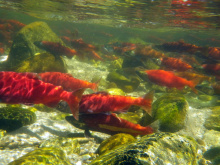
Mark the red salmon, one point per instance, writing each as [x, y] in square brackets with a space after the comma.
[56, 48]
[168, 79]
[67, 81]
[26, 88]
[110, 124]
[104, 102]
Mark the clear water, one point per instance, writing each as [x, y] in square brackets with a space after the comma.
[150, 22]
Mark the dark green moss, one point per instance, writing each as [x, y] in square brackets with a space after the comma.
[12, 118]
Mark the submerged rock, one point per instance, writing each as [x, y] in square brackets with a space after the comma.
[126, 84]
[43, 156]
[12, 118]
[170, 110]
[213, 121]
[43, 62]
[114, 141]
[159, 148]
[23, 46]
[68, 145]
[213, 154]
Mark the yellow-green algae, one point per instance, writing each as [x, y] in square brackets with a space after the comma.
[12, 118]
[170, 110]
[134, 117]
[158, 148]
[114, 141]
[68, 145]
[115, 91]
[116, 64]
[2, 133]
[43, 156]
[43, 62]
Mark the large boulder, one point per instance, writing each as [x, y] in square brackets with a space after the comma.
[159, 148]
[171, 111]
[114, 141]
[23, 47]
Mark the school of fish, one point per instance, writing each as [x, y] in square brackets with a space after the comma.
[98, 110]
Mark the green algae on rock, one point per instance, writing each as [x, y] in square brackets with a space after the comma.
[158, 148]
[43, 62]
[68, 145]
[23, 45]
[170, 110]
[114, 141]
[12, 118]
[213, 121]
[43, 156]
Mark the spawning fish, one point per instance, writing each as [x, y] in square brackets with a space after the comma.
[26, 88]
[103, 102]
[212, 68]
[67, 81]
[108, 123]
[169, 79]
[175, 63]
[55, 48]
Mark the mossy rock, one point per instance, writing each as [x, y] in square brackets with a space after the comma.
[114, 141]
[126, 84]
[12, 118]
[170, 110]
[68, 145]
[158, 148]
[213, 121]
[115, 91]
[43, 156]
[43, 62]
[23, 46]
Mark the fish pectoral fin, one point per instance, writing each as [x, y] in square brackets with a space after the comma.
[87, 133]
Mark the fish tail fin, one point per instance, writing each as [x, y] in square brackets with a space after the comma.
[148, 99]
[193, 83]
[95, 85]
[73, 101]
